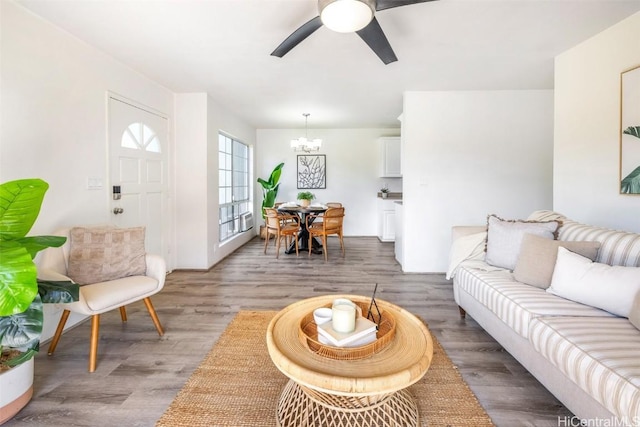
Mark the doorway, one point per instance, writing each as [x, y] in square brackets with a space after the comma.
[138, 178]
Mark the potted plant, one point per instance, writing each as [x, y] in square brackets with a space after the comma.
[305, 198]
[384, 192]
[21, 293]
[269, 193]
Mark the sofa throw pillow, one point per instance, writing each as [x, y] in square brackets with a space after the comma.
[504, 238]
[99, 254]
[634, 316]
[538, 255]
[610, 288]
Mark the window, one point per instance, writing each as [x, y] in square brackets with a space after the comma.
[233, 188]
[139, 136]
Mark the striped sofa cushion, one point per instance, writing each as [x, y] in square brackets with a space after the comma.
[515, 303]
[601, 355]
[617, 247]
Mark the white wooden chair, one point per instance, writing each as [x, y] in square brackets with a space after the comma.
[98, 298]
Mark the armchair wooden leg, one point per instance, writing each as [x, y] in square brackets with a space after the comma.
[123, 314]
[154, 316]
[58, 334]
[95, 335]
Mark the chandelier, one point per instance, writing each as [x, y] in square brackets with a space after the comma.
[303, 143]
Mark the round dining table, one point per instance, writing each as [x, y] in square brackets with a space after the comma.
[303, 236]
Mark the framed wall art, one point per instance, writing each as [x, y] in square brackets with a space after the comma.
[312, 171]
[630, 131]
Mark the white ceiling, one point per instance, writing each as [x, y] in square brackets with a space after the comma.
[223, 47]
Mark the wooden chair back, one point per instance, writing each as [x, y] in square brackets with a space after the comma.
[332, 220]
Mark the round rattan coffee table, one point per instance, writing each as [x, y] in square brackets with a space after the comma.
[369, 392]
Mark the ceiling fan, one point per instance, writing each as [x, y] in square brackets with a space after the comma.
[346, 16]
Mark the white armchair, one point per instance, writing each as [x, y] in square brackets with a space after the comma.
[98, 298]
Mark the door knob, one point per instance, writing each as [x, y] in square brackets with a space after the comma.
[118, 210]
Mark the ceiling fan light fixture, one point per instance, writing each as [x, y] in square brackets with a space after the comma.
[346, 16]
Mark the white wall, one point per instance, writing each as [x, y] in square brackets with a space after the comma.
[53, 121]
[221, 120]
[587, 128]
[353, 166]
[198, 121]
[467, 155]
[191, 180]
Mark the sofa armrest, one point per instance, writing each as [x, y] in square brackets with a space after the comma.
[156, 268]
[52, 275]
[467, 242]
[466, 230]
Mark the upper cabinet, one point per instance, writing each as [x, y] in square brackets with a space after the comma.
[390, 157]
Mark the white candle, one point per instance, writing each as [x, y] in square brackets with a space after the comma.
[344, 318]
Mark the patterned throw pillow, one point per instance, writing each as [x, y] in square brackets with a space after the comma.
[100, 254]
[504, 238]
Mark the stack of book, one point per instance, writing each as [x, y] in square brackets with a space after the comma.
[364, 333]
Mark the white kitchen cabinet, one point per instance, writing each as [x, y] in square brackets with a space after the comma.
[386, 220]
[390, 156]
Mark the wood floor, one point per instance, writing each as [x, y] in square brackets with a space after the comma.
[139, 373]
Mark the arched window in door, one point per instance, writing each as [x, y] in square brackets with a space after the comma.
[139, 136]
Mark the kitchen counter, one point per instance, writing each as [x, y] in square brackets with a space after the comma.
[392, 196]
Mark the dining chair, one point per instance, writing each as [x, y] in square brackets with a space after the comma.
[282, 226]
[331, 224]
[318, 218]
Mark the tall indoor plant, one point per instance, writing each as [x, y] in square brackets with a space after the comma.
[270, 188]
[21, 293]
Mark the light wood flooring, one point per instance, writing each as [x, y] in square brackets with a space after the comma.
[139, 373]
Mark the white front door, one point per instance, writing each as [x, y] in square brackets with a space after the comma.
[138, 145]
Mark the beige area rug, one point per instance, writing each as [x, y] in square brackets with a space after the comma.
[237, 385]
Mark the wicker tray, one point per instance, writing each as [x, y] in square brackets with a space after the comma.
[308, 334]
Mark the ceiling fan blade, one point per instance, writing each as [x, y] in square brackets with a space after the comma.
[388, 4]
[297, 36]
[373, 35]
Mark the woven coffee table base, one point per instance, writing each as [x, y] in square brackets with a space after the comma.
[301, 406]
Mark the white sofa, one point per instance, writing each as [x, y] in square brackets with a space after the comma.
[588, 358]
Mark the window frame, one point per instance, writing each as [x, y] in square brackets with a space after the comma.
[229, 222]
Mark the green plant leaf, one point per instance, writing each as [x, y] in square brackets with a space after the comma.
[275, 174]
[306, 195]
[270, 188]
[34, 244]
[20, 203]
[265, 185]
[631, 183]
[18, 285]
[633, 131]
[58, 292]
[23, 330]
